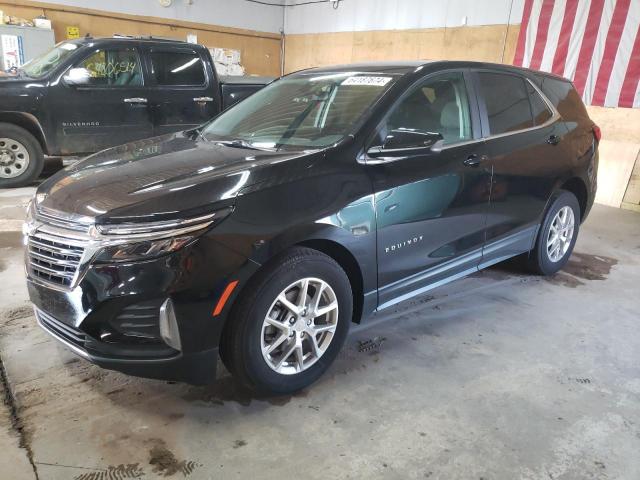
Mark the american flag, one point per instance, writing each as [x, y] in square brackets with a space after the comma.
[595, 43]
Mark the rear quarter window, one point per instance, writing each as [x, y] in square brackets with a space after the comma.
[565, 98]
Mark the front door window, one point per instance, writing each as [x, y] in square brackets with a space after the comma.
[109, 68]
[439, 105]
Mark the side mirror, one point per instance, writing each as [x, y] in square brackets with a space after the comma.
[77, 77]
[404, 143]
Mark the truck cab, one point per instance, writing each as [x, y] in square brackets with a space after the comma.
[89, 94]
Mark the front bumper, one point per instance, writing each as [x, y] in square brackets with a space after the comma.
[99, 318]
[196, 368]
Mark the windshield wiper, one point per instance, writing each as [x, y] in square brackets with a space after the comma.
[238, 143]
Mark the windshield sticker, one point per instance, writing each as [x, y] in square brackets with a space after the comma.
[366, 80]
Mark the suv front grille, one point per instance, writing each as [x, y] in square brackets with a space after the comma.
[54, 255]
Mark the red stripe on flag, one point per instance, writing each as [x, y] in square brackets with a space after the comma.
[522, 37]
[560, 57]
[630, 84]
[611, 47]
[542, 34]
[588, 43]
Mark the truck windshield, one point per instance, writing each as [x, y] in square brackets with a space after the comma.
[45, 63]
[305, 111]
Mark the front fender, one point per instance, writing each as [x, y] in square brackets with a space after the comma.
[332, 211]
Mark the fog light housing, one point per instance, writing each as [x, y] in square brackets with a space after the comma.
[169, 326]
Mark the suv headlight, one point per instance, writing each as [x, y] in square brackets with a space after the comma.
[138, 241]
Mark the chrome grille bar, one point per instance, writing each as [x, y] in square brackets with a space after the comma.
[54, 254]
[61, 330]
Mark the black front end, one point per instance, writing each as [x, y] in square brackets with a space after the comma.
[150, 317]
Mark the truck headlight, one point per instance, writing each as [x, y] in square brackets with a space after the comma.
[138, 241]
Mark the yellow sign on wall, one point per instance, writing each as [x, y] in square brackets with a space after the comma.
[73, 32]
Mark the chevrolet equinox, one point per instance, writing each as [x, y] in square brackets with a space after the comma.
[331, 194]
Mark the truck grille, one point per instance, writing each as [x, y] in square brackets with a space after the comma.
[54, 257]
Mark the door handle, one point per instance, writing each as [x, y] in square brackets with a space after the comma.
[203, 99]
[553, 140]
[474, 160]
[135, 100]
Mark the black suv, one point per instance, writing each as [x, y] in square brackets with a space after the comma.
[89, 94]
[330, 194]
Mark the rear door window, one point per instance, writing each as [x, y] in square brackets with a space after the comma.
[177, 68]
[507, 102]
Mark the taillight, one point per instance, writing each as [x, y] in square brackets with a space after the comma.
[597, 133]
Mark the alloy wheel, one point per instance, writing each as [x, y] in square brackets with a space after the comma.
[14, 158]
[560, 234]
[299, 326]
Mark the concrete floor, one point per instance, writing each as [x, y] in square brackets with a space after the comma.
[498, 376]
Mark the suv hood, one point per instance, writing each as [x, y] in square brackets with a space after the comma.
[159, 178]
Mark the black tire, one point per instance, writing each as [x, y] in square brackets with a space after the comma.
[539, 260]
[36, 156]
[241, 343]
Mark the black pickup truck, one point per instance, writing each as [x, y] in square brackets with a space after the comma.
[93, 93]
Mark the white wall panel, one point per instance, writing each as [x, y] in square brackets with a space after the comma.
[352, 15]
[228, 13]
[359, 15]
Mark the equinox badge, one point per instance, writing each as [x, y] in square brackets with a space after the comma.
[397, 246]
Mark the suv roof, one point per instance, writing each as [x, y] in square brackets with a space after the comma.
[403, 67]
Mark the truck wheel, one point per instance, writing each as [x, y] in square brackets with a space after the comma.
[557, 235]
[289, 323]
[21, 157]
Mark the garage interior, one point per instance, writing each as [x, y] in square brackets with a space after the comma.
[501, 375]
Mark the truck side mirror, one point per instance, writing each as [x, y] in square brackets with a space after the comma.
[77, 77]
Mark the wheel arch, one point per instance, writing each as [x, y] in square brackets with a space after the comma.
[343, 257]
[29, 123]
[578, 187]
[328, 246]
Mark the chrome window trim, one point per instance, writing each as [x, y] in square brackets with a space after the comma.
[555, 116]
[367, 160]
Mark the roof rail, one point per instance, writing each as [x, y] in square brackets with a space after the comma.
[148, 37]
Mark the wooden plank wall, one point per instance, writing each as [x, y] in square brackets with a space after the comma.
[631, 198]
[260, 50]
[618, 179]
[491, 43]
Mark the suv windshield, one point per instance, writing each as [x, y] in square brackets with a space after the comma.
[45, 63]
[305, 111]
